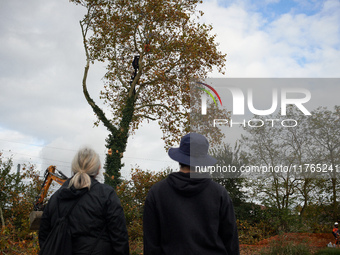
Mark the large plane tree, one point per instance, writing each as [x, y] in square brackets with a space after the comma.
[152, 49]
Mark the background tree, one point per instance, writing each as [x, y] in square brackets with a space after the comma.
[265, 146]
[324, 130]
[17, 193]
[310, 146]
[298, 142]
[168, 46]
[274, 147]
[232, 181]
[11, 187]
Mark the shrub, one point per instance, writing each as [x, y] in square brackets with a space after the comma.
[284, 247]
[13, 241]
[251, 233]
[132, 194]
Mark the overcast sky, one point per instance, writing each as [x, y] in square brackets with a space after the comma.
[45, 118]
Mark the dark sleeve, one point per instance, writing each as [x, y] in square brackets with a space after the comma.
[151, 227]
[228, 228]
[116, 226]
[45, 225]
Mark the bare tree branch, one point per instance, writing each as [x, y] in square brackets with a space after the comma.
[95, 108]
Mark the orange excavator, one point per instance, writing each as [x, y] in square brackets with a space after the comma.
[51, 174]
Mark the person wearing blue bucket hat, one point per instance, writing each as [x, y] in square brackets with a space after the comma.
[184, 215]
[193, 151]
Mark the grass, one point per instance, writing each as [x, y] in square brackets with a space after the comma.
[328, 251]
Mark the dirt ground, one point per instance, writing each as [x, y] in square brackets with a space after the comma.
[314, 240]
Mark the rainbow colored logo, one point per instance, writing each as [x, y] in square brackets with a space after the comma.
[209, 93]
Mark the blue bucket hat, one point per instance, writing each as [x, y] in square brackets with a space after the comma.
[193, 151]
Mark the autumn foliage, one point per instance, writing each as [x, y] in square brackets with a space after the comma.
[132, 194]
[18, 191]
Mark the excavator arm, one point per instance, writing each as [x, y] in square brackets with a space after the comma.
[51, 174]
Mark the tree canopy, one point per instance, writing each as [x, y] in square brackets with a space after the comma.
[173, 48]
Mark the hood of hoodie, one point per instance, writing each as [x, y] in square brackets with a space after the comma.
[185, 185]
[72, 193]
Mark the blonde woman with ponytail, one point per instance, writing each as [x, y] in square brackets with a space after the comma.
[85, 164]
[97, 222]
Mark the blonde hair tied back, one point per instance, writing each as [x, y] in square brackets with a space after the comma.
[85, 163]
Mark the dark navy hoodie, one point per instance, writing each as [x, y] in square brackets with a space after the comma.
[187, 216]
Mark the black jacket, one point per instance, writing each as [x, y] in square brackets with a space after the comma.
[189, 216]
[99, 209]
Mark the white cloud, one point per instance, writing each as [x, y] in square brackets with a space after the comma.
[292, 45]
[18, 147]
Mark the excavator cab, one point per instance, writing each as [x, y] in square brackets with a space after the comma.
[51, 174]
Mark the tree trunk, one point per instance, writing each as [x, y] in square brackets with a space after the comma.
[117, 142]
[335, 206]
[2, 219]
[306, 197]
[118, 137]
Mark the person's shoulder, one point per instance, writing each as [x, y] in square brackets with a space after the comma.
[160, 184]
[219, 189]
[103, 187]
[158, 187]
[217, 186]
